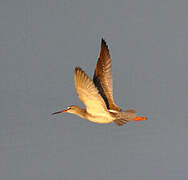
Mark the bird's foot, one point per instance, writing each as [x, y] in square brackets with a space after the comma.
[140, 118]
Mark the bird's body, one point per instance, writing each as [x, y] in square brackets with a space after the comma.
[97, 94]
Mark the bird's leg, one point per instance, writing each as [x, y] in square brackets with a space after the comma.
[140, 118]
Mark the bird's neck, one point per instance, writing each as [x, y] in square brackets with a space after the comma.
[80, 112]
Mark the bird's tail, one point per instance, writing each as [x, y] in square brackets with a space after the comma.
[137, 118]
[120, 122]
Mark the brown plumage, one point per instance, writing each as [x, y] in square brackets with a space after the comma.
[97, 94]
[103, 74]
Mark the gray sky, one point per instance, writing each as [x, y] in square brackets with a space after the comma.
[40, 44]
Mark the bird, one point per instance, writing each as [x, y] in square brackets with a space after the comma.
[97, 94]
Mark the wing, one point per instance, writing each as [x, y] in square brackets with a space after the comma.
[89, 94]
[103, 77]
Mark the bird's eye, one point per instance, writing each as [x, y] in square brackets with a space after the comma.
[68, 108]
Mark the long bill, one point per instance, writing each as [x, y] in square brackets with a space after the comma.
[58, 112]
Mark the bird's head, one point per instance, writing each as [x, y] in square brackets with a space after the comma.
[70, 109]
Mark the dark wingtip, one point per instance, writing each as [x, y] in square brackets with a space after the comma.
[104, 45]
[103, 42]
[77, 68]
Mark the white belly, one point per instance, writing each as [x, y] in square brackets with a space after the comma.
[100, 119]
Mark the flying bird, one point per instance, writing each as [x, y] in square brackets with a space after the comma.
[97, 94]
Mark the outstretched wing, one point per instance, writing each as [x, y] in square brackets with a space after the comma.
[103, 77]
[89, 94]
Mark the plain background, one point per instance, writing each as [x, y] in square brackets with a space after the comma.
[40, 44]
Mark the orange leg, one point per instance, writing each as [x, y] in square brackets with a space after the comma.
[140, 118]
